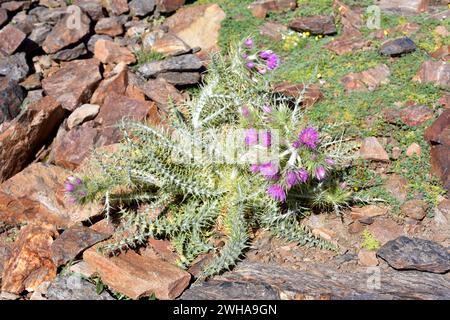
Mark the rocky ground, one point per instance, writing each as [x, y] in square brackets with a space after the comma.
[70, 70]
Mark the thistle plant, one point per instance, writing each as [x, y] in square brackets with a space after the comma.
[178, 181]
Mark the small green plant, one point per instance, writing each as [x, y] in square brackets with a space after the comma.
[143, 56]
[369, 241]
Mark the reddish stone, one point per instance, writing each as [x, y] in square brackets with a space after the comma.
[64, 34]
[369, 79]
[27, 134]
[323, 25]
[273, 30]
[116, 7]
[371, 149]
[110, 52]
[260, 8]
[434, 71]
[346, 44]
[312, 94]
[72, 242]
[11, 97]
[167, 44]
[36, 195]
[351, 20]
[3, 16]
[161, 91]
[169, 5]
[116, 82]
[109, 26]
[415, 115]
[404, 6]
[30, 263]
[73, 84]
[442, 53]
[138, 276]
[415, 209]
[397, 186]
[189, 24]
[10, 39]
[92, 7]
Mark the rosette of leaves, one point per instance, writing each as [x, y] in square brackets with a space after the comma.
[198, 198]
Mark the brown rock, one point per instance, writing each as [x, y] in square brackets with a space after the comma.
[414, 116]
[356, 227]
[260, 8]
[344, 44]
[117, 82]
[385, 230]
[110, 52]
[30, 263]
[397, 186]
[74, 83]
[434, 71]
[135, 93]
[138, 276]
[116, 7]
[369, 211]
[116, 108]
[189, 24]
[367, 258]
[438, 136]
[12, 6]
[324, 233]
[369, 79]
[66, 33]
[3, 17]
[166, 6]
[371, 149]
[273, 30]
[110, 26]
[160, 249]
[32, 82]
[167, 44]
[324, 25]
[442, 53]
[404, 6]
[311, 95]
[10, 39]
[27, 134]
[414, 149]
[37, 195]
[161, 91]
[82, 268]
[351, 20]
[415, 209]
[442, 31]
[72, 242]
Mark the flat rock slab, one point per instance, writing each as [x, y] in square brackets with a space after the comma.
[398, 47]
[315, 25]
[406, 253]
[256, 281]
[138, 276]
[72, 242]
[10, 39]
[437, 72]
[187, 62]
[74, 287]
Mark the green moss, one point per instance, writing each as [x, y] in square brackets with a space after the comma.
[369, 241]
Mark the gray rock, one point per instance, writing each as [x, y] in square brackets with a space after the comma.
[398, 47]
[406, 253]
[3, 17]
[141, 8]
[94, 39]
[74, 287]
[180, 78]
[40, 32]
[11, 97]
[44, 14]
[188, 62]
[24, 22]
[70, 54]
[15, 67]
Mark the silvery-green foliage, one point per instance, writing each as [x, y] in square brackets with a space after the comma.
[201, 200]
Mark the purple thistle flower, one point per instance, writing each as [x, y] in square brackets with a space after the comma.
[245, 112]
[266, 139]
[274, 177]
[330, 162]
[69, 187]
[251, 137]
[272, 62]
[78, 181]
[292, 179]
[250, 65]
[296, 144]
[303, 175]
[343, 185]
[277, 192]
[254, 168]
[267, 109]
[320, 173]
[248, 43]
[265, 54]
[309, 137]
[268, 169]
